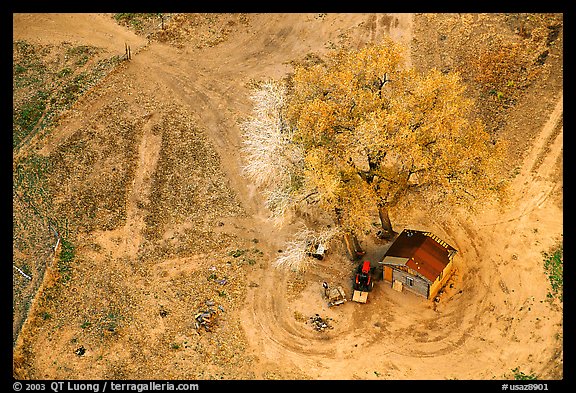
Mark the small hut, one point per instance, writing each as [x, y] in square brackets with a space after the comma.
[418, 261]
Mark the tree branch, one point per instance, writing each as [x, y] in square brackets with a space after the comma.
[429, 143]
[308, 196]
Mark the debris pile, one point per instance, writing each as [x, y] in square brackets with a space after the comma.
[207, 318]
[320, 324]
[80, 351]
[334, 296]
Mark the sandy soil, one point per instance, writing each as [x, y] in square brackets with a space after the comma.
[492, 317]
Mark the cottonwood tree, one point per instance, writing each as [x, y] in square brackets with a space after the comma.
[274, 163]
[359, 133]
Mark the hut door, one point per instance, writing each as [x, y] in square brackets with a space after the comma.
[388, 273]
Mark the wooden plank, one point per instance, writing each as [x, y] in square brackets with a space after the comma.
[360, 297]
[400, 261]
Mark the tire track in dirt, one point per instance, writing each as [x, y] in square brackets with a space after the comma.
[402, 30]
[125, 241]
[269, 315]
[408, 330]
[547, 137]
[475, 315]
[282, 339]
[486, 255]
[532, 186]
[398, 26]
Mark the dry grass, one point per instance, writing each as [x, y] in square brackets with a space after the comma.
[83, 185]
[134, 312]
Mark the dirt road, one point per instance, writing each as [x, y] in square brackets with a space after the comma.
[492, 317]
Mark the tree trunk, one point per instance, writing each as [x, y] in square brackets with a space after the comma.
[349, 245]
[387, 231]
[353, 247]
[357, 247]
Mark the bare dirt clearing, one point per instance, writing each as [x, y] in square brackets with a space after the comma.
[146, 170]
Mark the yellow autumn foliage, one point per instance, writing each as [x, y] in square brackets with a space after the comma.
[376, 135]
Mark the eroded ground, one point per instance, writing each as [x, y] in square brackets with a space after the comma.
[145, 172]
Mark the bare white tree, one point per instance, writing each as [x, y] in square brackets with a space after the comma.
[295, 255]
[275, 164]
[272, 160]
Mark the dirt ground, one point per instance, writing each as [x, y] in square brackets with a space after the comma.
[153, 149]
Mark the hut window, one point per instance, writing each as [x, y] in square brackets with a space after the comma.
[409, 281]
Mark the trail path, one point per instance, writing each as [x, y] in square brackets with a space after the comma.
[491, 318]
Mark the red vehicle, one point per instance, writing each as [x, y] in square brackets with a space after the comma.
[363, 280]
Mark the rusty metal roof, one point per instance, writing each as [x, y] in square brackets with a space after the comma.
[426, 255]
